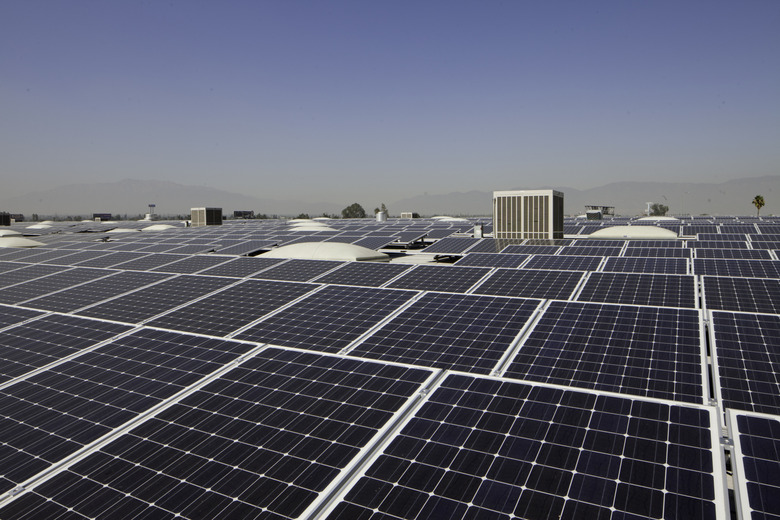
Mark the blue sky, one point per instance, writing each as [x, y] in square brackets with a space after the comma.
[375, 101]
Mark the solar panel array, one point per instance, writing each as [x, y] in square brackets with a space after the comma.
[170, 375]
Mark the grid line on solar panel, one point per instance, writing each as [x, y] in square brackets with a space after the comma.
[35, 344]
[267, 437]
[149, 262]
[10, 266]
[742, 294]
[737, 268]
[439, 278]
[298, 270]
[491, 260]
[717, 244]
[756, 462]
[80, 296]
[636, 264]
[56, 282]
[564, 263]
[245, 247]
[481, 448]
[362, 273]
[242, 267]
[645, 351]
[27, 273]
[590, 251]
[148, 302]
[191, 264]
[233, 308]
[75, 257]
[329, 319]
[54, 413]
[530, 283]
[746, 347]
[452, 331]
[451, 245]
[660, 290]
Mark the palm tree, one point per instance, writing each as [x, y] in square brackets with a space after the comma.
[758, 202]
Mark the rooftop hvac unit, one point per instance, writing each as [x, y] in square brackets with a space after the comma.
[407, 214]
[528, 214]
[593, 214]
[206, 217]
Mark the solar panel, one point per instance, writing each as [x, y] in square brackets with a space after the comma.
[297, 270]
[747, 254]
[328, 320]
[742, 294]
[76, 257]
[193, 249]
[192, 264]
[656, 243]
[487, 245]
[664, 290]
[149, 262]
[55, 282]
[451, 245]
[10, 266]
[264, 439]
[438, 278]
[564, 263]
[645, 351]
[363, 273]
[158, 248]
[530, 249]
[150, 301]
[649, 252]
[737, 268]
[247, 247]
[530, 283]
[27, 273]
[746, 346]
[375, 242]
[769, 244]
[111, 259]
[718, 237]
[635, 264]
[54, 413]
[718, 244]
[243, 267]
[491, 260]
[32, 345]
[37, 255]
[599, 242]
[89, 293]
[450, 331]
[481, 448]
[440, 232]
[11, 315]
[590, 250]
[756, 460]
[229, 310]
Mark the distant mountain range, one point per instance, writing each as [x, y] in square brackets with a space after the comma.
[132, 197]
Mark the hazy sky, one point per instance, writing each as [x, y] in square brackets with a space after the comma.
[374, 101]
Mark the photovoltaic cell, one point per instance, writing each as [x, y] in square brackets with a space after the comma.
[742, 294]
[451, 331]
[298, 270]
[86, 294]
[718, 244]
[747, 347]
[264, 440]
[30, 272]
[481, 448]
[149, 262]
[636, 264]
[645, 351]
[328, 320]
[663, 290]
[564, 263]
[192, 264]
[150, 301]
[590, 251]
[245, 247]
[75, 257]
[531, 283]
[231, 309]
[737, 268]
[35, 344]
[435, 278]
[531, 249]
[10, 266]
[55, 282]
[375, 242]
[242, 267]
[111, 259]
[52, 414]
[757, 459]
[746, 254]
[491, 260]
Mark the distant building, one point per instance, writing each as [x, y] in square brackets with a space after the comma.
[17, 217]
[243, 214]
[206, 217]
[102, 216]
[528, 214]
[603, 210]
[5, 219]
